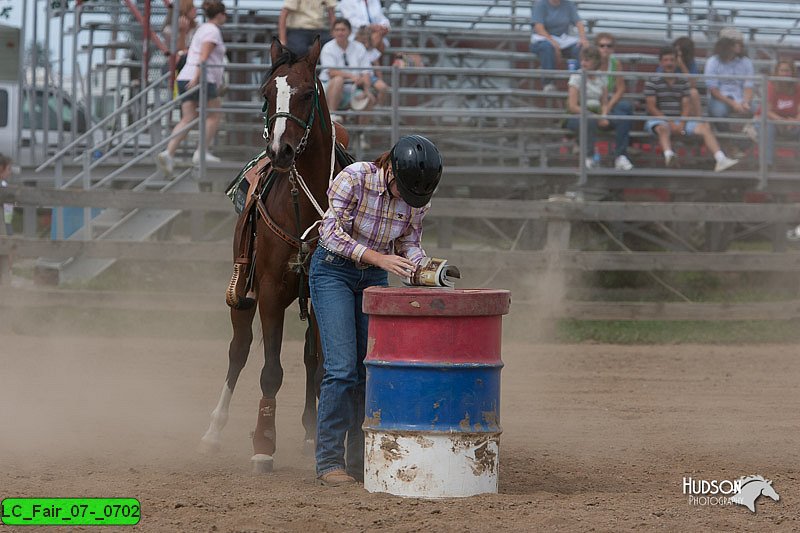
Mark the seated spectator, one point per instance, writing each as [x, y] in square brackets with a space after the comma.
[551, 41]
[341, 82]
[367, 14]
[668, 100]
[300, 21]
[374, 56]
[686, 64]
[596, 97]
[729, 96]
[615, 88]
[783, 105]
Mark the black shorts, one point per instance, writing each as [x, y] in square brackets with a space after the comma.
[211, 90]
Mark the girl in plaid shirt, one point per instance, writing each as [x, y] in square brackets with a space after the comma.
[373, 226]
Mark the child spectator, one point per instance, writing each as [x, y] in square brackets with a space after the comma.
[667, 100]
[363, 36]
[596, 98]
[552, 20]
[783, 104]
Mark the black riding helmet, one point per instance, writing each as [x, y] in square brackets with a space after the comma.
[417, 167]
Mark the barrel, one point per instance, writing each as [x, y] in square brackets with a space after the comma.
[432, 414]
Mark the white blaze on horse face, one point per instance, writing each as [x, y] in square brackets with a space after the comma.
[285, 92]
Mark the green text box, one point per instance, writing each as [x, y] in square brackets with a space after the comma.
[70, 511]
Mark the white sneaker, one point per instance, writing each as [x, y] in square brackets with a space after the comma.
[793, 234]
[725, 164]
[550, 88]
[669, 160]
[751, 132]
[165, 163]
[589, 163]
[623, 163]
[210, 158]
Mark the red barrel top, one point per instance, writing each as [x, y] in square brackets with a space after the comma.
[419, 301]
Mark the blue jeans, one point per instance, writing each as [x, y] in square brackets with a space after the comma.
[622, 129]
[719, 109]
[337, 287]
[547, 55]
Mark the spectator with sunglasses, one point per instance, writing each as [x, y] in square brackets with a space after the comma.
[614, 104]
[346, 68]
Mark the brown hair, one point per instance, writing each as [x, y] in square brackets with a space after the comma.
[592, 53]
[384, 161]
[783, 85]
[686, 46]
[605, 35]
[212, 8]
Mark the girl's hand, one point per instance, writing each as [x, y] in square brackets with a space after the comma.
[397, 265]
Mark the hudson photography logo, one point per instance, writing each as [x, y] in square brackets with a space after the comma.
[743, 491]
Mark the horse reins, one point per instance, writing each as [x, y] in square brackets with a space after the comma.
[301, 242]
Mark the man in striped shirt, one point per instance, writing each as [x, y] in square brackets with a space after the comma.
[668, 103]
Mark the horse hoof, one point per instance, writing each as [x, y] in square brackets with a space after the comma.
[262, 464]
[208, 446]
[309, 447]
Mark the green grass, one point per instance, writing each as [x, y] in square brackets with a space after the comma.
[678, 332]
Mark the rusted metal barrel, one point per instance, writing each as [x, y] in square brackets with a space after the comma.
[432, 425]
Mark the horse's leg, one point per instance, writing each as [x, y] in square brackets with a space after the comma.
[242, 321]
[264, 436]
[311, 351]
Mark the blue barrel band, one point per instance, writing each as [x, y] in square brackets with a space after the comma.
[441, 398]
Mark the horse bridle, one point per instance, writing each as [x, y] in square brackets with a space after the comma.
[269, 120]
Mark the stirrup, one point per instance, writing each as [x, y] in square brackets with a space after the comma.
[234, 300]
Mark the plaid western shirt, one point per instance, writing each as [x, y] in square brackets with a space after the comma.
[362, 214]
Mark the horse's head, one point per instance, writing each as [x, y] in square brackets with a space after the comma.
[769, 492]
[292, 103]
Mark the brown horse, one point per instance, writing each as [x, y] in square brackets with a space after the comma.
[298, 132]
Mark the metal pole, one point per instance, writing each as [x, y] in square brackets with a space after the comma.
[75, 71]
[46, 90]
[87, 184]
[145, 53]
[21, 84]
[582, 133]
[60, 93]
[88, 92]
[32, 84]
[762, 136]
[395, 104]
[203, 117]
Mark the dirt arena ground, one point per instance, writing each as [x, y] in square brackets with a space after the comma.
[596, 438]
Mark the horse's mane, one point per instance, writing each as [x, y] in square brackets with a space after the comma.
[287, 58]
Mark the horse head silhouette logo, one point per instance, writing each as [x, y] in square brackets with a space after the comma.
[751, 488]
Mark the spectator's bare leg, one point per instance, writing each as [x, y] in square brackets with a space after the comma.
[212, 120]
[695, 108]
[188, 114]
[382, 89]
[709, 139]
[333, 93]
[662, 130]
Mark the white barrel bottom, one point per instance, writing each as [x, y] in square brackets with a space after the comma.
[431, 465]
